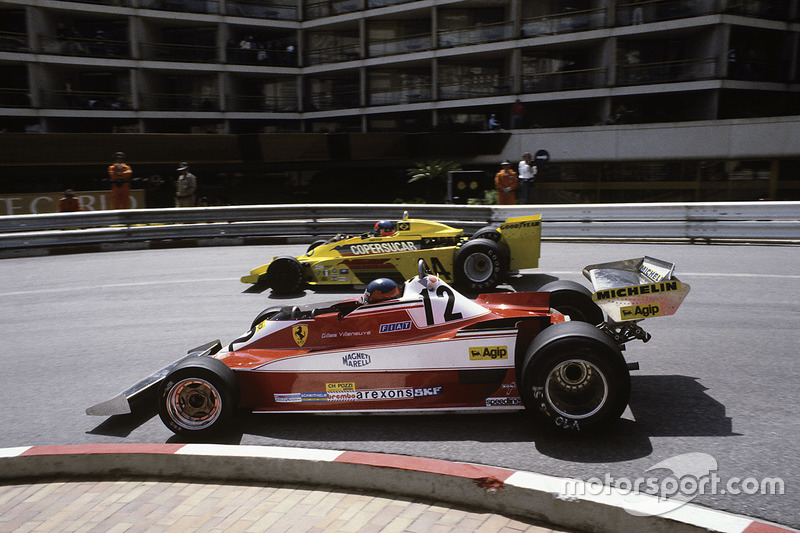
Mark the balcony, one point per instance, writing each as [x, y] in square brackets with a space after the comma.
[335, 54]
[269, 104]
[564, 80]
[401, 45]
[67, 99]
[667, 71]
[658, 10]
[476, 87]
[481, 33]
[259, 10]
[262, 56]
[12, 97]
[323, 101]
[179, 52]
[184, 6]
[565, 23]
[330, 7]
[13, 42]
[401, 95]
[179, 102]
[773, 10]
[77, 46]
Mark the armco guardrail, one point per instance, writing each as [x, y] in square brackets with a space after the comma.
[747, 221]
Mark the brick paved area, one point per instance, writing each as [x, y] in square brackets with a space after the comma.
[120, 506]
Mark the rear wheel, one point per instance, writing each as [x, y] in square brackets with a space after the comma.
[488, 232]
[198, 397]
[575, 300]
[574, 378]
[480, 264]
[285, 275]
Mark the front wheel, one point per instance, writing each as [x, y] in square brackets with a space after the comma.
[480, 264]
[285, 275]
[575, 378]
[198, 397]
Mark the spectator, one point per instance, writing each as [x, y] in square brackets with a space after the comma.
[517, 112]
[69, 203]
[185, 187]
[120, 175]
[506, 182]
[527, 173]
[494, 124]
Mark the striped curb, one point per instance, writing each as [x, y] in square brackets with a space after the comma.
[497, 490]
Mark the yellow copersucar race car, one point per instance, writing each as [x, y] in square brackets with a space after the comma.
[394, 249]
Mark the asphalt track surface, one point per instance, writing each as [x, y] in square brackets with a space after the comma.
[717, 392]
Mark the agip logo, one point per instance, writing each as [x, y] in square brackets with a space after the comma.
[633, 312]
[486, 353]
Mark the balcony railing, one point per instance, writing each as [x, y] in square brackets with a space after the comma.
[401, 45]
[483, 33]
[330, 7]
[270, 104]
[260, 10]
[775, 10]
[179, 102]
[633, 13]
[262, 56]
[190, 6]
[564, 80]
[337, 100]
[476, 88]
[667, 71]
[333, 55]
[402, 95]
[65, 99]
[13, 42]
[179, 52]
[565, 22]
[372, 4]
[15, 98]
[77, 46]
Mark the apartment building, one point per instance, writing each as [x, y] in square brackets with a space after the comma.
[546, 69]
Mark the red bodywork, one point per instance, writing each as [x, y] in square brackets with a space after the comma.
[431, 349]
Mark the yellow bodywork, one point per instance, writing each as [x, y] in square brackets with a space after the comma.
[352, 260]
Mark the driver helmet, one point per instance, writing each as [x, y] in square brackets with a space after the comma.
[384, 228]
[379, 290]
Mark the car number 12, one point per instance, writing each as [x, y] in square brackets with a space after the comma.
[448, 308]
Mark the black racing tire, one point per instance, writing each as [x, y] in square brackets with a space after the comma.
[574, 378]
[198, 397]
[285, 275]
[480, 264]
[315, 244]
[575, 300]
[488, 232]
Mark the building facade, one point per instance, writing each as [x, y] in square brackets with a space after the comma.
[555, 68]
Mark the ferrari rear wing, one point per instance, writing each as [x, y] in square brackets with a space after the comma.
[121, 404]
[635, 289]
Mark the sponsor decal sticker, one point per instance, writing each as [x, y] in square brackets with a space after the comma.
[396, 326]
[632, 312]
[518, 225]
[345, 392]
[300, 334]
[356, 360]
[637, 290]
[495, 402]
[404, 226]
[484, 353]
[383, 247]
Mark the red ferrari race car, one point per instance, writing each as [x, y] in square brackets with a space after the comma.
[426, 347]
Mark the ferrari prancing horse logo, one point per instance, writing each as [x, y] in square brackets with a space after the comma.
[300, 333]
